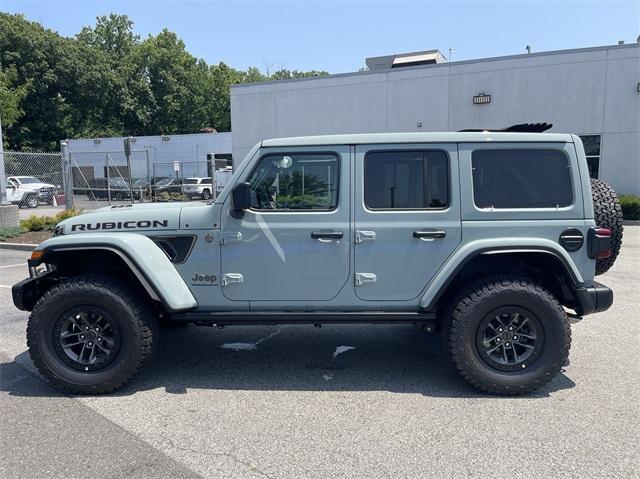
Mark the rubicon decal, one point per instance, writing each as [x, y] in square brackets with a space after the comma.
[118, 225]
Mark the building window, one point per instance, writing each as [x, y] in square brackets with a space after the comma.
[521, 178]
[409, 180]
[592, 150]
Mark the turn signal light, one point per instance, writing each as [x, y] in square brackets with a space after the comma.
[37, 254]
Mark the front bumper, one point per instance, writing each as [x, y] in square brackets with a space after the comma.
[594, 298]
[27, 292]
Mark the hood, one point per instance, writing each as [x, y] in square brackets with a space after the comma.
[132, 218]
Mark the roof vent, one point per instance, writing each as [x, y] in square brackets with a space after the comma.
[399, 60]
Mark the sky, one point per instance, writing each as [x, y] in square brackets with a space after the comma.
[336, 36]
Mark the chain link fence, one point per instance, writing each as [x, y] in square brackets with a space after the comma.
[87, 180]
[34, 179]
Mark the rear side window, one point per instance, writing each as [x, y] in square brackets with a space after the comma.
[409, 180]
[521, 178]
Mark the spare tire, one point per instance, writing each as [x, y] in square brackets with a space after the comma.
[608, 214]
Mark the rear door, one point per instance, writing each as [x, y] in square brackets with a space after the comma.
[407, 217]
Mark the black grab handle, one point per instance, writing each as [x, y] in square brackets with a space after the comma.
[327, 234]
[430, 234]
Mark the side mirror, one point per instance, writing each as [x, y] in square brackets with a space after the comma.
[241, 196]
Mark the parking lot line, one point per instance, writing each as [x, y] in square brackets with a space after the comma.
[12, 265]
[4, 286]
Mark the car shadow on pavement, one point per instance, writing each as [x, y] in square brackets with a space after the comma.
[394, 358]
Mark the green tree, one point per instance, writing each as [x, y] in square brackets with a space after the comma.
[178, 84]
[40, 59]
[11, 96]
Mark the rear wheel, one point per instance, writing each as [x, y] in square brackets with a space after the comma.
[507, 335]
[90, 335]
[608, 214]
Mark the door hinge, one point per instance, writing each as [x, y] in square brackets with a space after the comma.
[230, 278]
[230, 237]
[362, 278]
[365, 236]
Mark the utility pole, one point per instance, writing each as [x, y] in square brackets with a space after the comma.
[3, 180]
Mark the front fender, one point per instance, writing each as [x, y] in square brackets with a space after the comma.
[148, 262]
[493, 246]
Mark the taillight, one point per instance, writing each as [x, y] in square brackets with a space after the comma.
[599, 243]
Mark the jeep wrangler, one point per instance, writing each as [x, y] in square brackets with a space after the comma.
[491, 238]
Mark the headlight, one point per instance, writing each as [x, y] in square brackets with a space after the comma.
[58, 230]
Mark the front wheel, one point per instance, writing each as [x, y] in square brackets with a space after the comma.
[507, 335]
[90, 334]
[206, 194]
[31, 201]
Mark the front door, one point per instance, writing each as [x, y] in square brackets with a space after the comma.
[292, 245]
[407, 217]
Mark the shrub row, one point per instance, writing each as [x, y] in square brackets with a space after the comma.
[42, 223]
[630, 207]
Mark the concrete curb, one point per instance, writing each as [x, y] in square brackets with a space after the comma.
[18, 246]
[630, 222]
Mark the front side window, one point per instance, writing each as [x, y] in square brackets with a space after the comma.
[414, 180]
[295, 181]
[521, 178]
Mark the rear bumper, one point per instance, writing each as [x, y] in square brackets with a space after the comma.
[594, 298]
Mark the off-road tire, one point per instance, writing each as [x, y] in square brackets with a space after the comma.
[608, 214]
[466, 313]
[135, 319]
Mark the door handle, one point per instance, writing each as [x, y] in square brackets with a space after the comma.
[430, 234]
[320, 235]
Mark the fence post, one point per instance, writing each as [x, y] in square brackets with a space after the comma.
[67, 180]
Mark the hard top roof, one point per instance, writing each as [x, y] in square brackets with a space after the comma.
[436, 137]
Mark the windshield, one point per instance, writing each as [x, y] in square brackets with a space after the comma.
[164, 182]
[25, 180]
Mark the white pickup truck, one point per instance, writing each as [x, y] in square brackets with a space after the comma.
[22, 195]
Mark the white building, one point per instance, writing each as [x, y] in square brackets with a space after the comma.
[162, 155]
[592, 92]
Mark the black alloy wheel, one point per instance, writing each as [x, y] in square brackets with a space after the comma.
[86, 338]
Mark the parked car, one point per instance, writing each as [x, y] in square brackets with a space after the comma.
[222, 177]
[493, 239]
[46, 191]
[167, 185]
[21, 195]
[197, 187]
[115, 188]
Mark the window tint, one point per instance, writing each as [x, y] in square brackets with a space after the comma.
[295, 182]
[521, 179]
[406, 180]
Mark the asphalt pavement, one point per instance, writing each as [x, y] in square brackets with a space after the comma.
[339, 401]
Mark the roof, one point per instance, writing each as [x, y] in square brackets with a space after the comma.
[442, 137]
[440, 65]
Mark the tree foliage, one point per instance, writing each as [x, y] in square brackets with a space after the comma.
[107, 81]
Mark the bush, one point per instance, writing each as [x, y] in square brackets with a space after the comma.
[630, 207]
[7, 233]
[42, 223]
